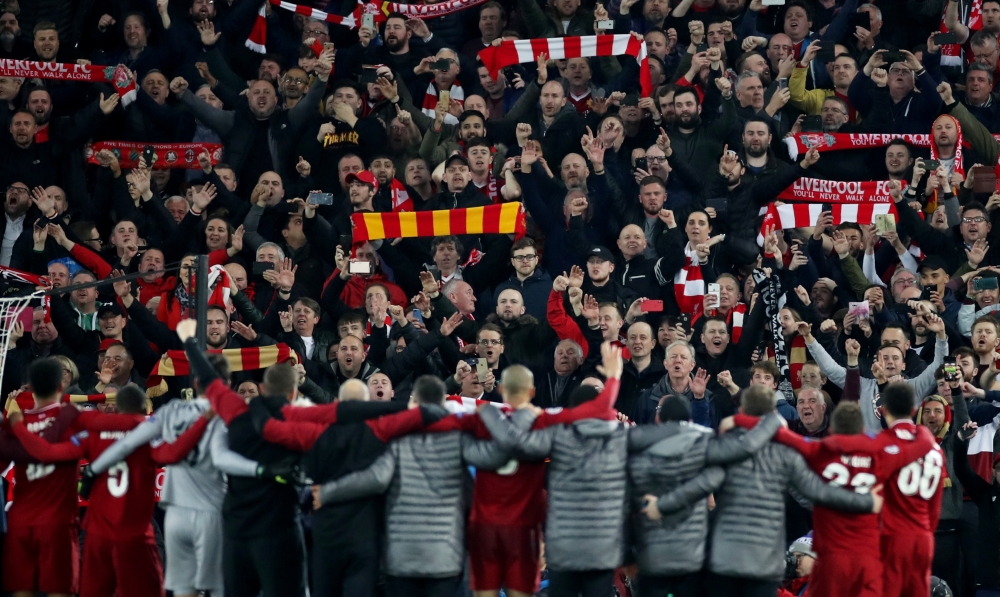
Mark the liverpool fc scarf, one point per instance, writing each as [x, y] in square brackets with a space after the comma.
[799, 144]
[506, 218]
[379, 10]
[174, 363]
[972, 16]
[689, 285]
[804, 215]
[168, 155]
[855, 192]
[512, 52]
[431, 100]
[117, 76]
[401, 200]
[770, 292]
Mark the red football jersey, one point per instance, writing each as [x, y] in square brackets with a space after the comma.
[123, 498]
[514, 495]
[912, 493]
[44, 494]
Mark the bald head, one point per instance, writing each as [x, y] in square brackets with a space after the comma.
[517, 384]
[353, 389]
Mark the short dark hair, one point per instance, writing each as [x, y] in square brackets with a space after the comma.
[310, 303]
[469, 114]
[503, 12]
[965, 351]
[529, 243]
[582, 395]
[904, 142]
[847, 419]
[281, 379]
[397, 15]
[221, 365]
[648, 180]
[809, 12]
[674, 408]
[682, 90]
[428, 389]
[439, 240]
[490, 327]
[766, 367]
[973, 205]
[130, 400]
[897, 399]
[44, 26]
[478, 142]
[758, 401]
[349, 318]
[45, 377]
[345, 83]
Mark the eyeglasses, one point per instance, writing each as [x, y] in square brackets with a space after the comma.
[900, 71]
[905, 282]
[315, 32]
[975, 220]
[94, 240]
[655, 159]
[296, 80]
[524, 258]
[490, 342]
[18, 190]
[833, 111]
[980, 57]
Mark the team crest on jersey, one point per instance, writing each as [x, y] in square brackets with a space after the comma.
[876, 404]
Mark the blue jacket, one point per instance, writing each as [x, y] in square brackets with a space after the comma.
[535, 291]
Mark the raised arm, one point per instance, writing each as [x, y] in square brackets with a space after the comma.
[708, 481]
[514, 433]
[371, 481]
[175, 451]
[43, 451]
[147, 431]
[483, 454]
[731, 447]
[223, 458]
[811, 486]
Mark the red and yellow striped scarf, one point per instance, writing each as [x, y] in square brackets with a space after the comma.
[175, 364]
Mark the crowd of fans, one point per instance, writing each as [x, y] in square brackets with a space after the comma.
[643, 233]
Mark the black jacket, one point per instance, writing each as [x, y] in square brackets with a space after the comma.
[985, 495]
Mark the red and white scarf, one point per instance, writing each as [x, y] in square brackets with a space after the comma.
[258, 35]
[117, 76]
[856, 192]
[735, 319]
[689, 285]
[491, 189]
[512, 52]
[804, 215]
[799, 144]
[401, 200]
[951, 54]
[388, 325]
[431, 100]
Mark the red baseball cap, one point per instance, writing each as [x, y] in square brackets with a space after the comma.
[365, 177]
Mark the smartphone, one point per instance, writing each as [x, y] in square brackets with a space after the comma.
[985, 283]
[827, 51]
[320, 198]
[605, 25]
[950, 369]
[651, 306]
[328, 46]
[419, 316]
[945, 38]
[368, 21]
[782, 83]
[892, 57]
[858, 19]
[714, 290]
[147, 154]
[931, 165]
[441, 65]
[925, 294]
[369, 75]
[984, 179]
[642, 164]
[719, 204]
[812, 124]
[259, 267]
[685, 321]
[359, 267]
[508, 73]
[445, 97]
[702, 47]
[482, 368]
[774, 2]
[860, 310]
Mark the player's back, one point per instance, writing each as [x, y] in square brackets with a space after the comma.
[123, 498]
[512, 495]
[912, 493]
[45, 494]
[846, 461]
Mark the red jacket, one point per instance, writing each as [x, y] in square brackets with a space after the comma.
[354, 291]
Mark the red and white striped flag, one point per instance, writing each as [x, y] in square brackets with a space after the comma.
[802, 215]
[689, 285]
[258, 35]
[512, 52]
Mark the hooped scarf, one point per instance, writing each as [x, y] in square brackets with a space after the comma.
[512, 52]
[117, 76]
[431, 100]
[174, 363]
[506, 218]
[689, 285]
[770, 292]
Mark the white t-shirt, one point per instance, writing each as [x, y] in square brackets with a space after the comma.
[310, 345]
[10, 234]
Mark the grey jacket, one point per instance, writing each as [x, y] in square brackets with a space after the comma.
[923, 384]
[679, 463]
[585, 526]
[748, 531]
[424, 510]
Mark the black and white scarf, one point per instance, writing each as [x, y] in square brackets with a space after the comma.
[771, 292]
